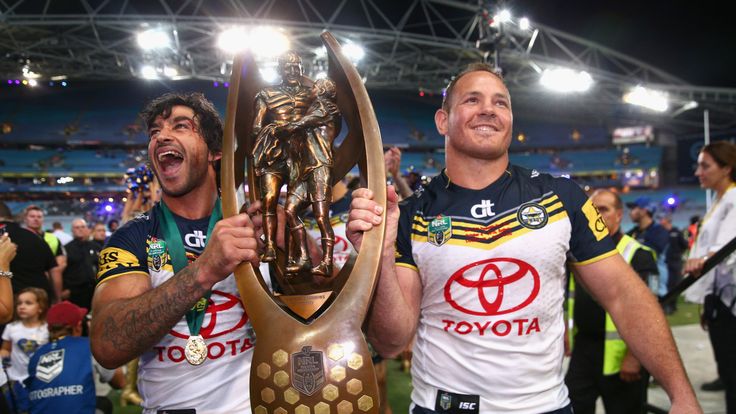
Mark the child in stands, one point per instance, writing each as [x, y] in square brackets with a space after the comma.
[21, 338]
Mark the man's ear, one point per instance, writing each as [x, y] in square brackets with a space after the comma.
[215, 156]
[440, 121]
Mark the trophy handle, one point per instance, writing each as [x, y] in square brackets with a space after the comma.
[357, 110]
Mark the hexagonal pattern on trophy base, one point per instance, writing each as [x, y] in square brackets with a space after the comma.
[344, 389]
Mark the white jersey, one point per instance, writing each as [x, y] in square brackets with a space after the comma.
[338, 219]
[24, 342]
[492, 269]
[165, 379]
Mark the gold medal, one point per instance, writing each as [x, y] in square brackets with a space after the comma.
[195, 350]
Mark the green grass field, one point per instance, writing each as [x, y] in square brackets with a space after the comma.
[399, 382]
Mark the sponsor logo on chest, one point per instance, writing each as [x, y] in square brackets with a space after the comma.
[195, 239]
[491, 288]
[482, 209]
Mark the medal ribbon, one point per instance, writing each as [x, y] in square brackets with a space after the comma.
[195, 315]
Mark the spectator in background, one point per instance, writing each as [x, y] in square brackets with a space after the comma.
[8, 250]
[33, 221]
[673, 258]
[112, 225]
[601, 364]
[79, 275]
[60, 234]
[692, 231]
[21, 338]
[717, 171]
[66, 362]
[33, 262]
[392, 158]
[651, 234]
[99, 235]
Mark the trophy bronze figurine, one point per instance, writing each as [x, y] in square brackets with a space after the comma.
[310, 354]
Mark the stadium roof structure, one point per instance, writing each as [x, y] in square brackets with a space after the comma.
[413, 45]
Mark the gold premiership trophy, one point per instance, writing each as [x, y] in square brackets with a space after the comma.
[310, 354]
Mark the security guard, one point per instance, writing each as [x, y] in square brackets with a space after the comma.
[601, 364]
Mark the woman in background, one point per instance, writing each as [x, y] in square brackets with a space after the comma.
[717, 171]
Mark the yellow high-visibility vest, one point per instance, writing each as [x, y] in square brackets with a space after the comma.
[52, 241]
[614, 348]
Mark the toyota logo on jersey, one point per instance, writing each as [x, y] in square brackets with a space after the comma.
[219, 302]
[492, 287]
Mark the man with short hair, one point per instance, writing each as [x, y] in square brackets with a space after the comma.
[60, 234]
[601, 364]
[33, 262]
[474, 265]
[165, 289]
[81, 269]
[676, 246]
[649, 233]
[99, 235]
[33, 221]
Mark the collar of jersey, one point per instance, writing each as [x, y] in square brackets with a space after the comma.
[449, 185]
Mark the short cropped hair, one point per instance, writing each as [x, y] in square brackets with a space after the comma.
[472, 67]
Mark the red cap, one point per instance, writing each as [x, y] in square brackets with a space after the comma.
[65, 313]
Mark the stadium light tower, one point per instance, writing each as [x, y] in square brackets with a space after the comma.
[655, 100]
[566, 80]
[153, 39]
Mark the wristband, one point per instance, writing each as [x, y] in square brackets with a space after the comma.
[7, 274]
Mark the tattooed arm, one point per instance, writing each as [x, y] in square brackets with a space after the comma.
[131, 316]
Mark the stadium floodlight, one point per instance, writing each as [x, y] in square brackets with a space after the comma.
[504, 16]
[353, 51]
[269, 74]
[149, 72]
[153, 39]
[267, 42]
[566, 80]
[170, 72]
[524, 23]
[233, 40]
[320, 52]
[650, 99]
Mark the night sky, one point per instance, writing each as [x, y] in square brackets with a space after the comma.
[695, 41]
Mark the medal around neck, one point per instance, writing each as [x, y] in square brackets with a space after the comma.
[311, 354]
[195, 350]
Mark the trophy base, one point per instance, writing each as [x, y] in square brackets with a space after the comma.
[326, 372]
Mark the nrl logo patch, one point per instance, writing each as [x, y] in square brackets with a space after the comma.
[532, 216]
[445, 401]
[307, 371]
[50, 365]
[157, 254]
[439, 230]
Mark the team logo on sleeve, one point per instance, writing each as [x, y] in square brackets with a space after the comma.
[157, 254]
[595, 221]
[50, 365]
[532, 216]
[439, 230]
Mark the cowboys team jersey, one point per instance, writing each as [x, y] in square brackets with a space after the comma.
[492, 269]
[165, 379]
